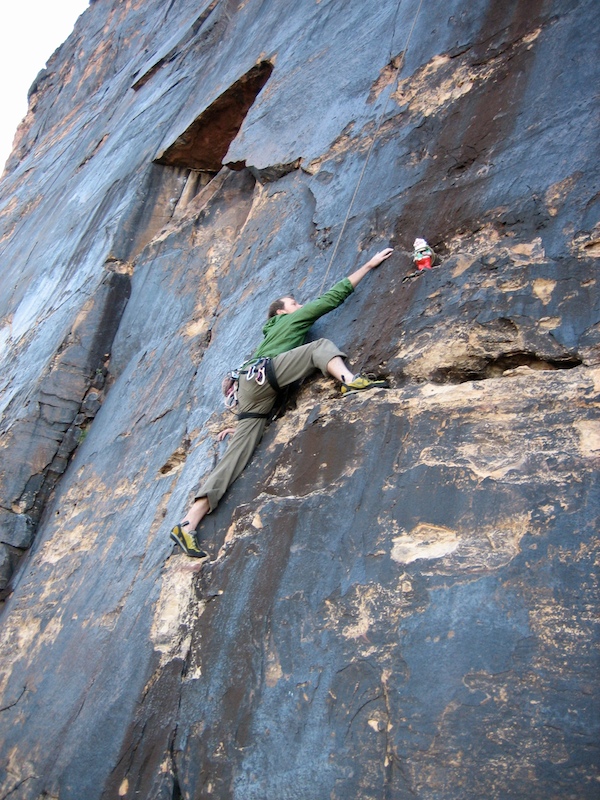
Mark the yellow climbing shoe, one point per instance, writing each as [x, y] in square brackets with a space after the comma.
[188, 542]
[361, 383]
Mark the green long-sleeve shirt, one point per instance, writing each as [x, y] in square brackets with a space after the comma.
[286, 331]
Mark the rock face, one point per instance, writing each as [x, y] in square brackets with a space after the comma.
[402, 594]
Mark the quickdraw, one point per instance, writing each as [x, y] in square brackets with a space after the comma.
[257, 372]
[230, 389]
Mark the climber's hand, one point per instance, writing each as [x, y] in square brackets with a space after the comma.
[356, 277]
[224, 434]
[380, 256]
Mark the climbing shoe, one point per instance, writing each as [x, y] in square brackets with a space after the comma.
[188, 542]
[360, 384]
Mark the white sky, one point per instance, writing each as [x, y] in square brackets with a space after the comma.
[30, 32]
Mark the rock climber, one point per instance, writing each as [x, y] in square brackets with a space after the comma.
[281, 360]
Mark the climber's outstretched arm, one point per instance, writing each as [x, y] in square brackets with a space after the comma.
[356, 277]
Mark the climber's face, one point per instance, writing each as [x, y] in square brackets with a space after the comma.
[289, 306]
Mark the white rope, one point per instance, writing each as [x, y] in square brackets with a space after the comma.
[381, 118]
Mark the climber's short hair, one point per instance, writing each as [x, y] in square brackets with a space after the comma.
[276, 305]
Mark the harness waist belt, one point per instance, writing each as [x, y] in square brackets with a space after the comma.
[252, 415]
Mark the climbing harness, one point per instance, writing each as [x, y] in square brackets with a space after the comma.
[253, 370]
[379, 123]
[258, 370]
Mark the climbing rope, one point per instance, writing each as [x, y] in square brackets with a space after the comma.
[378, 126]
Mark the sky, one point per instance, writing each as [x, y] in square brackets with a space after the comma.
[30, 32]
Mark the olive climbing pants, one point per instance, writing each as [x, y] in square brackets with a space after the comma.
[289, 367]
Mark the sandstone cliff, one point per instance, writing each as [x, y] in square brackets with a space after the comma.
[402, 595]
